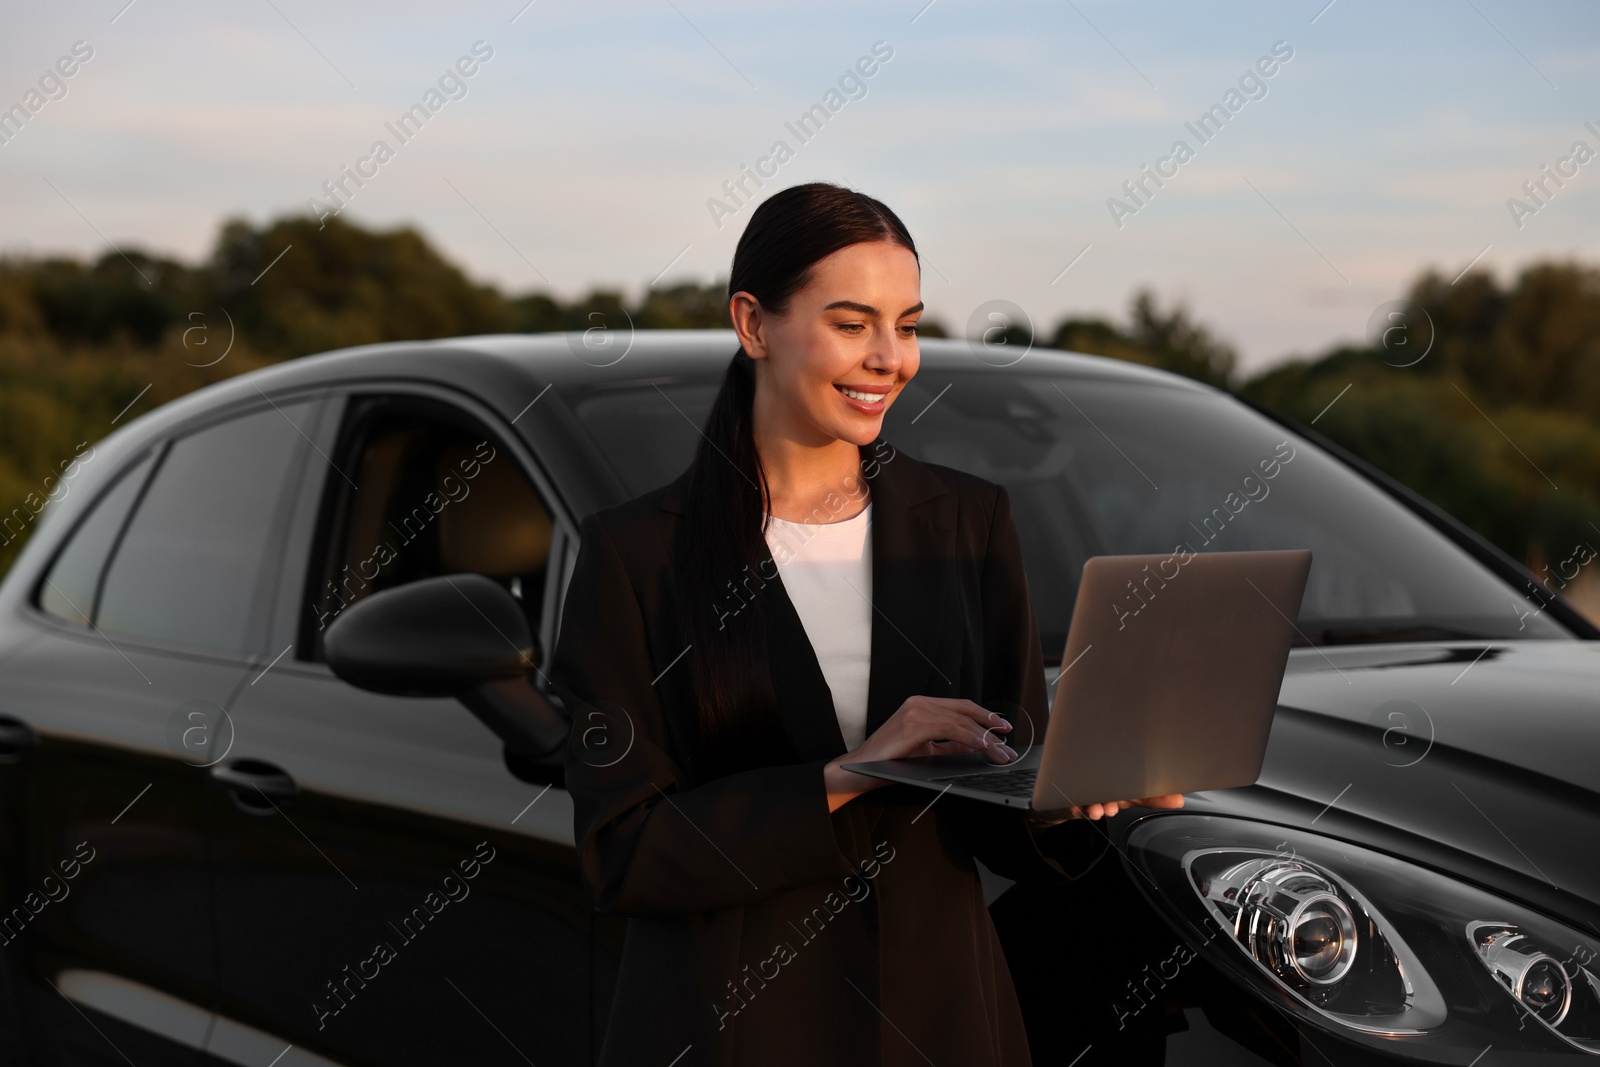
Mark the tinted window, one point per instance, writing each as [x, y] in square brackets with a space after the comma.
[188, 566]
[69, 586]
[433, 496]
[648, 437]
[1097, 467]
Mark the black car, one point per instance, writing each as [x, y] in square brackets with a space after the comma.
[220, 849]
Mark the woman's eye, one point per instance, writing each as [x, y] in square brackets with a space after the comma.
[851, 326]
[910, 330]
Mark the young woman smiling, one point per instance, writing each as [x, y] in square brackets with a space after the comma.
[784, 910]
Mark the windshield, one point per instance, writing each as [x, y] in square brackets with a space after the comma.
[1097, 467]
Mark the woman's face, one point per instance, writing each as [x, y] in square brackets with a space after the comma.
[833, 364]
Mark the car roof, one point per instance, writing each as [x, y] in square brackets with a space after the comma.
[649, 353]
[563, 359]
[508, 370]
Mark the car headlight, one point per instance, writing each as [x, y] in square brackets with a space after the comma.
[1537, 979]
[1291, 918]
[1377, 950]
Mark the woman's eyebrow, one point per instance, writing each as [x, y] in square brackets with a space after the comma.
[868, 309]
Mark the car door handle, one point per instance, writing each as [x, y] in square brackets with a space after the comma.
[255, 784]
[15, 735]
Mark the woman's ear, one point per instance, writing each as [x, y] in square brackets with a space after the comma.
[748, 322]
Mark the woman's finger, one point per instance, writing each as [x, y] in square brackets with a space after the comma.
[953, 728]
[976, 712]
[954, 725]
[1168, 800]
[953, 738]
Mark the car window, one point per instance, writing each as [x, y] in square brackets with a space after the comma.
[648, 437]
[188, 567]
[68, 589]
[431, 492]
[1110, 467]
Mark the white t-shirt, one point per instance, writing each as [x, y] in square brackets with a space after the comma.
[826, 569]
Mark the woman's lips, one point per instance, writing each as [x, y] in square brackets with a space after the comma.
[874, 407]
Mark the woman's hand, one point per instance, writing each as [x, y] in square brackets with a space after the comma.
[924, 726]
[1111, 807]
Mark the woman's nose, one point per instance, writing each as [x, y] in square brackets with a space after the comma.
[884, 356]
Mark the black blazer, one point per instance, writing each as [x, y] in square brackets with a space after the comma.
[765, 929]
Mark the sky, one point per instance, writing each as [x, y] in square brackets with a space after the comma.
[591, 142]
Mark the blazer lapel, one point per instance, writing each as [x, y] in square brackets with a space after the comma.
[913, 524]
[805, 709]
[805, 703]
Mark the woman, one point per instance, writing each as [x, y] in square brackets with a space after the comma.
[803, 597]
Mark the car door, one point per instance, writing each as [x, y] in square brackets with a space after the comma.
[147, 616]
[388, 891]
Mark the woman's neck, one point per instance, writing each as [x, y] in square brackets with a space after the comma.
[806, 481]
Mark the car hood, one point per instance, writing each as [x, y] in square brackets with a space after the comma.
[1482, 759]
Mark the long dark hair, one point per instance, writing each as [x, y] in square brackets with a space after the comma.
[720, 537]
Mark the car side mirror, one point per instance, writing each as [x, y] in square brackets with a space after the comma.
[457, 635]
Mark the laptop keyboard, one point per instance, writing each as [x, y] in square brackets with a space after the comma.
[1013, 783]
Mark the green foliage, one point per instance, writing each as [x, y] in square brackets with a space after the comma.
[1499, 423]
[58, 397]
[341, 285]
[1535, 343]
[293, 288]
[685, 307]
[1170, 340]
[134, 296]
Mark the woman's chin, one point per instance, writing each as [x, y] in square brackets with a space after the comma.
[863, 434]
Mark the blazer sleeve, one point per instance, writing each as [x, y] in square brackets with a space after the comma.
[647, 843]
[1013, 678]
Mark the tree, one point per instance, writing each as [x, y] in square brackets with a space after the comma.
[1170, 340]
[295, 288]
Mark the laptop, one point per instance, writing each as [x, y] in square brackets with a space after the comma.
[1168, 684]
